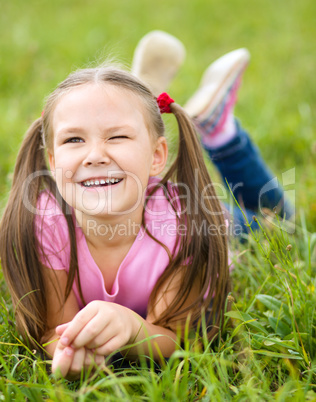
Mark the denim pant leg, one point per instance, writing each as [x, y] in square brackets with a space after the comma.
[252, 183]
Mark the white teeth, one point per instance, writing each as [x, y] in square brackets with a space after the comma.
[89, 183]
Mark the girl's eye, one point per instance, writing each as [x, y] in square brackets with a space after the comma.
[118, 137]
[74, 139]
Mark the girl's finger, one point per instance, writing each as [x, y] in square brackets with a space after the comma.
[62, 361]
[92, 333]
[112, 331]
[88, 358]
[77, 363]
[61, 328]
[102, 338]
[78, 323]
[99, 360]
[111, 346]
[93, 359]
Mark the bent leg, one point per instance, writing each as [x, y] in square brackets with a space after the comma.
[252, 183]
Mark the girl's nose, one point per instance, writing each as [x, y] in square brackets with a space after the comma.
[96, 156]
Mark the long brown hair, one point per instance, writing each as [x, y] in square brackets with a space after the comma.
[204, 256]
[203, 251]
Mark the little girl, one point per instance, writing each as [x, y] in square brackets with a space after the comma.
[99, 250]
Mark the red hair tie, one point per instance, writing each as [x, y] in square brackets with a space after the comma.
[164, 102]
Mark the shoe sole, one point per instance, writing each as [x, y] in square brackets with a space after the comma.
[217, 80]
[157, 58]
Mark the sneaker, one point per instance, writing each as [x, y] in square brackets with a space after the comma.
[157, 58]
[212, 102]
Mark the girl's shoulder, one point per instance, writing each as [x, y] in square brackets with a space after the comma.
[163, 204]
[47, 202]
[48, 215]
[51, 231]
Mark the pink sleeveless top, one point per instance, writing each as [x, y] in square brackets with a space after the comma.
[139, 271]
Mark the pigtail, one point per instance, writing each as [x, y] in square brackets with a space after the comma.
[17, 242]
[203, 251]
[19, 249]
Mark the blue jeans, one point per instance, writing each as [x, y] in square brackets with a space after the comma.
[252, 183]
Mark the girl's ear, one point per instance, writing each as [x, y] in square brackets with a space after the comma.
[160, 156]
[51, 161]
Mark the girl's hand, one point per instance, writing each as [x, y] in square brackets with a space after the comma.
[69, 362]
[102, 326]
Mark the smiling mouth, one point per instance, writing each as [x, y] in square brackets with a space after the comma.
[100, 183]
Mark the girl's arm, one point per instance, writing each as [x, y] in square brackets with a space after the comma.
[58, 311]
[107, 327]
[67, 360]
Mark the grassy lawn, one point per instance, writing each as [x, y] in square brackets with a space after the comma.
[267, 350]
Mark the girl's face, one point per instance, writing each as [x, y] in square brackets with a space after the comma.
[103, 153]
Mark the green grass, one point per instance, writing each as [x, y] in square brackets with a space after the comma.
[267, 350]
